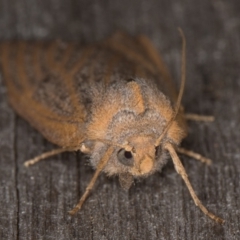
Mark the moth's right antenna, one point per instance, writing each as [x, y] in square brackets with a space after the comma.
[100, 167]
[183, 71]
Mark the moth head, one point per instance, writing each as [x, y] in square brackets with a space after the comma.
[137, 155]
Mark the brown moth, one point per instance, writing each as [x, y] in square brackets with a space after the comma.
[113, 100]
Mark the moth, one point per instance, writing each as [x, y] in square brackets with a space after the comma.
[114, 101]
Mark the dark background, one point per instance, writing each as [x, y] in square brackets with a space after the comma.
[34, 202]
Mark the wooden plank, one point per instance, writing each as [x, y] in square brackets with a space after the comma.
[34, 202]
[8, 171]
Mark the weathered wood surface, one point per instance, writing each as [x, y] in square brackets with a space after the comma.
[34, 202]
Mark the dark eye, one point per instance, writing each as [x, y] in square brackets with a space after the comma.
[125, 157]
[157, 151]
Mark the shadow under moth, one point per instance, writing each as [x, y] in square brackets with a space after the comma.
[113, 100]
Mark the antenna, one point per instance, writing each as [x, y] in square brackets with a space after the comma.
[182, 86]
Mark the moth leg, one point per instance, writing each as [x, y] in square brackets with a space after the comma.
[194, 155]
[197, 117]
[180, 170]
[46, 155]
[100, 167]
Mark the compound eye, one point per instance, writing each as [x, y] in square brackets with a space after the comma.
[125, 157]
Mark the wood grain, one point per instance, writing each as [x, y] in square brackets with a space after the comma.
[34, 202]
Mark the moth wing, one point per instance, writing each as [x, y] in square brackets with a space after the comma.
[39, 79]
[149, 62]
[141, 50]
[156, 59]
